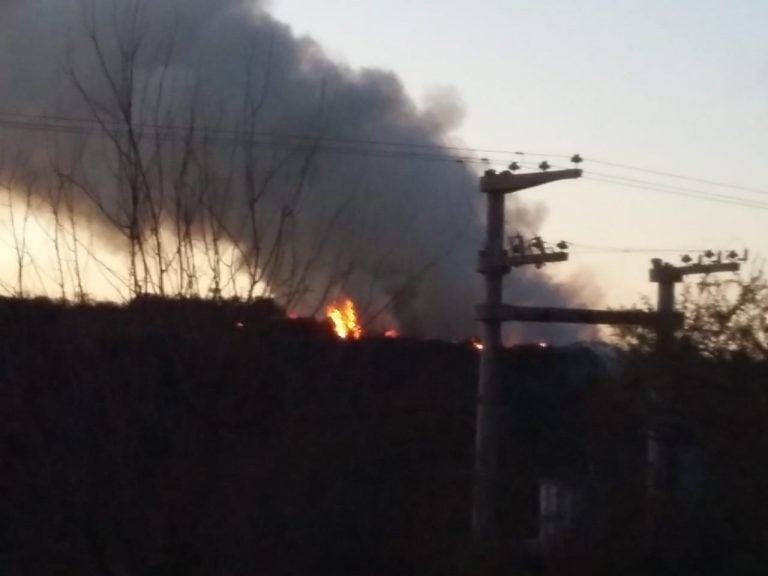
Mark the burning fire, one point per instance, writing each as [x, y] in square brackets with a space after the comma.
[344, 318]
[477, 344]
[346, 323]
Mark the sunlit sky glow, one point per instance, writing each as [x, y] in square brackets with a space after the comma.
[677, 87]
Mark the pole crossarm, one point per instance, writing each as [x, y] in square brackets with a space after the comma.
[710, 268]
[507, 182]
[517, 260]
[501, 262]
[663, 273]
[509, 313]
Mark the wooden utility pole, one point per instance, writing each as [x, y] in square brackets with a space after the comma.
[494, 264]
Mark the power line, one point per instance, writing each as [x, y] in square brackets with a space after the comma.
[680, 177]
[632, 250]
[687, 193]
[484, 155]
[374, 148]
[259, 140]
[663, 188]
[499, 155]
[89, 126]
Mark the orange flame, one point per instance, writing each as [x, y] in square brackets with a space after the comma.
[344, 318]
[477, 344]
[392, 333]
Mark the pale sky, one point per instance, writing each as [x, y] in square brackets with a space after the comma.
[678, 87]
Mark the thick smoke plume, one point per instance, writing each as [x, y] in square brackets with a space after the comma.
[212, 120]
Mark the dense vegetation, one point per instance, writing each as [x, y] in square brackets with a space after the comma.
[190, 437]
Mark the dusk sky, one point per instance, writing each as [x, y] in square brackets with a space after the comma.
[669, 87]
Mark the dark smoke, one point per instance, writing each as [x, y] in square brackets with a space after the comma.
[396, 231]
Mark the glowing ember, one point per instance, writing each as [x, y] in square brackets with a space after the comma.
[477, 344]
[391, 334]
[344, 318]
[543, 345]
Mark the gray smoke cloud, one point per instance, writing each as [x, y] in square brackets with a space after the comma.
[307, 152]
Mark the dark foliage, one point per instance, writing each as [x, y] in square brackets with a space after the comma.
[192, 437]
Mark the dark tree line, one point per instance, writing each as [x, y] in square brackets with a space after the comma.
[193, 437]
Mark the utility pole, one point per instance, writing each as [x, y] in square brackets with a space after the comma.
[494, 263]
[667, 275]
[511, 313]
[658, 447]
